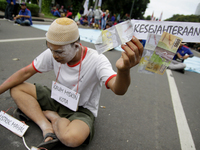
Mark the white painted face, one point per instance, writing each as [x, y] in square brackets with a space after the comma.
[63, 54]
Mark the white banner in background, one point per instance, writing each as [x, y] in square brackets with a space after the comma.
[85, 6]
[99, 3]
[190, 32]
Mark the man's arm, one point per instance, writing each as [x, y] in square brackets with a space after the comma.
[130, 57]
[25, 16]
[18, 78]
[185, 57]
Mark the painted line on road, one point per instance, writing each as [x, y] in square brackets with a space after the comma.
[22, 39]
[185, 135]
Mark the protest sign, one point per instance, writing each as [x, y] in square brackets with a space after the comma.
[65, 96]
[12, 124]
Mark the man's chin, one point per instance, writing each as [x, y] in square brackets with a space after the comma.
[60, 61]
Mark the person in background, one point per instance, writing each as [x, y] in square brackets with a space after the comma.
[143, 42]
[104, 19]
[9, 9]
[15, 11]
[90, 15]
[24, 17]
[81, 11]
[83, 20]
[62, 11]
[113, 18]
[97, 17]
[55, 12]
[69, 14]
[182, 53]
[57, 6]
[108, 25]
[126, 17]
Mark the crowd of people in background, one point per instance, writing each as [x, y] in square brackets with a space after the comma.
[61, 11]
[100, 19]
[22, 17]
[96, 18]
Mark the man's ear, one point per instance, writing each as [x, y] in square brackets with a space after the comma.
[77, 46]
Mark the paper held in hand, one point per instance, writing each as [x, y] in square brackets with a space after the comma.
[157, 60]
[13, 124]
[65, 96]
[114, 36]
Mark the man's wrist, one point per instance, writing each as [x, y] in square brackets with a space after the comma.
[125, 72]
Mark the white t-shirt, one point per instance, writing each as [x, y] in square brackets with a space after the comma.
[95, 70]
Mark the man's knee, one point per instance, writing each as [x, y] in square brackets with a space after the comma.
[25, 87]
[14, 90]
[72, 139]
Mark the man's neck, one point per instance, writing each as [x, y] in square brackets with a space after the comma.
[77, 58]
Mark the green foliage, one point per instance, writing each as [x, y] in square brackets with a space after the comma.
[34, 8]
[184, 18]
[124, 6]
[46, 6]
[3, 5]
[148, 17]
[77, 5]
[35, 2]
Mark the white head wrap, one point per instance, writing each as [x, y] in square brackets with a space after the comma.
[62, 31]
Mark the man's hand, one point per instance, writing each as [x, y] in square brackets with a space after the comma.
[132, 55]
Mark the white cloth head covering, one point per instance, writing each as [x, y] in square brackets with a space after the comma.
[62, 31]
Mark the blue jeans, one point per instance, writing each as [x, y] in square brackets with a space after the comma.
[23, 22]
[89, 20]
[103, 23]
[96, 21]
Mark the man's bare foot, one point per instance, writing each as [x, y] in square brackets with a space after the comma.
[48, 131]
[51, 115]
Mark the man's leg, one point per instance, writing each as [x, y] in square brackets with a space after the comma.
[71, 134]
[89, 20]
[25, 23]
[6, 12]
[175, 65]
[18, 21]
[10, 11]
[25, 97]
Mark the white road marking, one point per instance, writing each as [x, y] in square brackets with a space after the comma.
[185, 136]
[22, 39]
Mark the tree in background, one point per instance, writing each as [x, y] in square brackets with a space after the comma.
[46, 6]
[123, 7]
[184, 18]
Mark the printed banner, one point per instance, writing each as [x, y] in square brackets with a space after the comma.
[188, 31]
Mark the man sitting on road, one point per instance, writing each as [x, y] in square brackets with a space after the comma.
[182, 53]
[79, 69]
[24, 17]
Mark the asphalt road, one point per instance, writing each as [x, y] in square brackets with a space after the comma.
[142, 119]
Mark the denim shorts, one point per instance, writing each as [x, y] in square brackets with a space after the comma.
[47, 103]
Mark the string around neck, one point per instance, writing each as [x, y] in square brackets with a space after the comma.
[79, 72]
